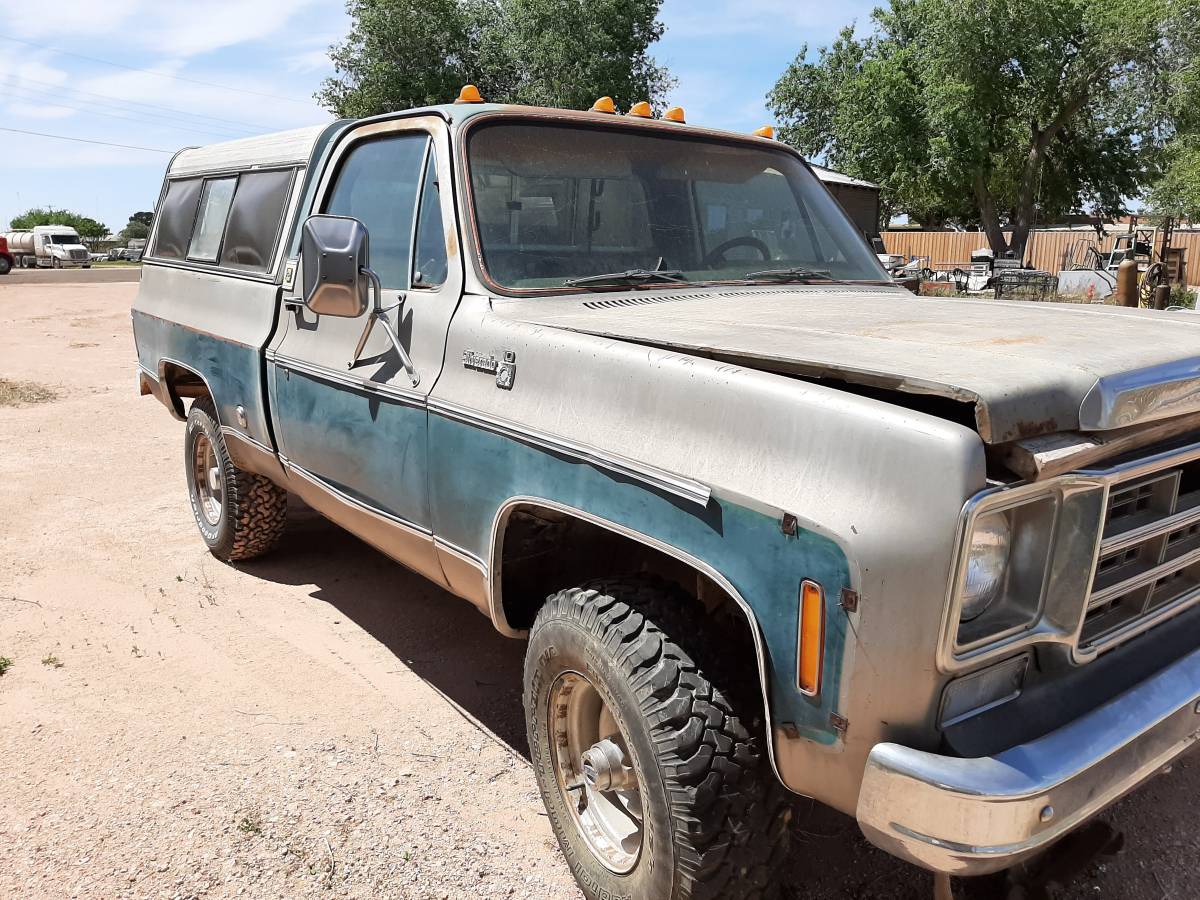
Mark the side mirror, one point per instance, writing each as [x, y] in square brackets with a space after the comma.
[336, 259]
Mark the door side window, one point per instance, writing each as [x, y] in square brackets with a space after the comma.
[377, 184]
[429, 261]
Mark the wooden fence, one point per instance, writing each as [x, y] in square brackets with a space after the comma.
[1046, 250]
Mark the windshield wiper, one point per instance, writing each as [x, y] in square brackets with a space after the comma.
[795, 273]
[631, 276]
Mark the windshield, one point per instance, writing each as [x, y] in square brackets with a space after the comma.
[556, 204]
[64, 239]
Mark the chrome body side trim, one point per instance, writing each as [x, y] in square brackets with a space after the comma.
[673, 484]
[1143, 395]
[347, 379]
[975, 816]
[668, 482]
[496, 608]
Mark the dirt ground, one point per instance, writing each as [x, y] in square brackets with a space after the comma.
[320, 723]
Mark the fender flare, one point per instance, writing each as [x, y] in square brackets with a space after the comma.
[500, 620]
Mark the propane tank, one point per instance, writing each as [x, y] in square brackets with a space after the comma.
[1127, 286]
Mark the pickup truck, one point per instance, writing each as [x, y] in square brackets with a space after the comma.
[770, 524]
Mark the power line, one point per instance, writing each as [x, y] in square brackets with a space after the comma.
[20, 79]
[106, 62]
[126, 115]
[63, 137]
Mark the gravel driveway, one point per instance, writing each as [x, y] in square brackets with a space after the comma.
[320, 723]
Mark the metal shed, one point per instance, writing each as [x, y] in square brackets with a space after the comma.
[860, 199]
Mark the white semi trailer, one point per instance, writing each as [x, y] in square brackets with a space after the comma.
[48, 246]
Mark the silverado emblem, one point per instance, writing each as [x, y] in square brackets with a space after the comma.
[505, 372]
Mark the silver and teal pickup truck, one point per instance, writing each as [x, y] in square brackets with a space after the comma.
[770, 524]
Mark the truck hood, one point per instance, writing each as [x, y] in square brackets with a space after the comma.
[1028, 368]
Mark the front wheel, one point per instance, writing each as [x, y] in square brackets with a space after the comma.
[240, 514]
[57, 263]
[651, 766]
[5, 265]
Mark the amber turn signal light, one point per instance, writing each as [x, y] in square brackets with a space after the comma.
[811, 643]
[641, 110]
[604, 105]
[675, 114]
[766, 131]
[469, 94]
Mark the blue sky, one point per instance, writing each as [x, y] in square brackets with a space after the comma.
[194, 73]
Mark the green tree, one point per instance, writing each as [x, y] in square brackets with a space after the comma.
[564, 53]
[1177, 191]
[133, 230]
[991, 112]
[145, 217]
[88, 228]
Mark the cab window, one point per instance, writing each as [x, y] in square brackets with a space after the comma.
[377, 184]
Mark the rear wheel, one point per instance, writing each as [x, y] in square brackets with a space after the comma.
[240, 514]
[651, 763]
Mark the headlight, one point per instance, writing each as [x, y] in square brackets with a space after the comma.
[1023, 570]
[1004, 570]
[987, 564]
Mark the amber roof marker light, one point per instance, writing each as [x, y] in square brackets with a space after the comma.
[641, 110]
[767, 131]
[604, 105]
[675, 114]
[469, 94]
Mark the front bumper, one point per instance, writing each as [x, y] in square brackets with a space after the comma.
[975, 816]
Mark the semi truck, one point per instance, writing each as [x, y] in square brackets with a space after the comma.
[48, 246]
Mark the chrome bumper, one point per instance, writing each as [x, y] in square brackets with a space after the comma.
[975, 816]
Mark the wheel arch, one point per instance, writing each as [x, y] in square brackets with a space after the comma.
[509, 619]
[178, 381]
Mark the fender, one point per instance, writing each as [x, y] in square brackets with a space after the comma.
[500, 621]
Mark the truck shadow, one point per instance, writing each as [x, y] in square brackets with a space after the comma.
[455, 650]
[442, 639]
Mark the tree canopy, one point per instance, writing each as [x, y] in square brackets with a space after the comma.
[88, 228]
[996, 113]
[138, 226]
[565, 53]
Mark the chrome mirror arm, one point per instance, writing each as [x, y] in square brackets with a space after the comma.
[377, 315]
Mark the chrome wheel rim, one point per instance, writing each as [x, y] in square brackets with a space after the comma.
[209, 481]
[592, 766]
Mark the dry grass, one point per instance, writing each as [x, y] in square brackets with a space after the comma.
[24, 393]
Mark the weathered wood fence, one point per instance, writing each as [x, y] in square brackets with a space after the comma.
[1046, 250]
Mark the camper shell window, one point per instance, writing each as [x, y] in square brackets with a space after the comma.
[176, 216]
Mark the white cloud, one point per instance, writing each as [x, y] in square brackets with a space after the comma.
[177, 29]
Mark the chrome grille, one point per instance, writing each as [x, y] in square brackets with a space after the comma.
[79, 254]
[1149, 562]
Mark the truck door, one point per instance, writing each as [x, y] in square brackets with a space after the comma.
[358, 434]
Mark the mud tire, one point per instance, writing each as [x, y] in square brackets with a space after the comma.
[715, 817]
[253, 508]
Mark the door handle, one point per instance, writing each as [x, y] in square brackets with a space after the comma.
[377, 316]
